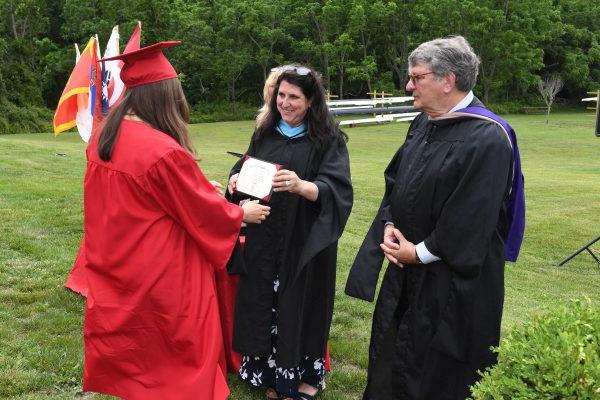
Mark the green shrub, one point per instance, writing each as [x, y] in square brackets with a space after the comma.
[30, 119]
[507, 107]
[553, 356]
[222, 111]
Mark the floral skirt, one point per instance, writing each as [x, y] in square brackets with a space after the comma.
[262, 372]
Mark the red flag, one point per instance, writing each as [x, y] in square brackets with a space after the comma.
[132, 45]
[79, 83]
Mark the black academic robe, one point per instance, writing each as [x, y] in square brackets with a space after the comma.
[434, 323]
[298, 244]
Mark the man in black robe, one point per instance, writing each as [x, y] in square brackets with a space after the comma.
[442, 225]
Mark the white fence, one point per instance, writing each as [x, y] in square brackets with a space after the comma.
[381, 110]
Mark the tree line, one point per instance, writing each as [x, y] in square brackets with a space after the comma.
[358, 45]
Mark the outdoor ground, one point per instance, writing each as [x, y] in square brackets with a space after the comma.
[41, 224]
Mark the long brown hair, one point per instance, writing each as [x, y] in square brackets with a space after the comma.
[162, 105]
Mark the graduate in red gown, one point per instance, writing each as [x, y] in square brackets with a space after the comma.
[155, 232]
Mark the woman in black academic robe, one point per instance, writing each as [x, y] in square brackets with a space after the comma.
[285, 298]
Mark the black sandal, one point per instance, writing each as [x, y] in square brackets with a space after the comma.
[305, 396]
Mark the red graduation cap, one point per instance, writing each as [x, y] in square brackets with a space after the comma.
[146, 65]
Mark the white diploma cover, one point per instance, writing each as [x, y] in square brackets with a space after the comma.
[256, 178]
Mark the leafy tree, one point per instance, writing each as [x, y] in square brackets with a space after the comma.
[360, 28]
[323, 24]
[575, 54]
[194, 59]
[234, 54]
[341, 49]
[262, 24]
[358, 45]
[80, 21]
[392, 23]
[3, 48]
[24, 21]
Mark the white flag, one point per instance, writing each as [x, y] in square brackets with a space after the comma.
[114, 85]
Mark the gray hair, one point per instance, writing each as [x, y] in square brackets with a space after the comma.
[451, 54]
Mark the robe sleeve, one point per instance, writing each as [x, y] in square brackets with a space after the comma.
[237, 263]
[364, 273]
[470, 214]
[76, 281]
[183, 192]
[334, 201]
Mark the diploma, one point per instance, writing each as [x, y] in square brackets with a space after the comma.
[256, 178]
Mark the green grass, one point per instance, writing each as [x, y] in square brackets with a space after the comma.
[41, 224]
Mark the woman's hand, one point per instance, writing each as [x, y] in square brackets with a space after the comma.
[231, 186]
[287, 181]
[254, 213]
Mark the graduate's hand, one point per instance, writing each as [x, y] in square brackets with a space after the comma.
[285, 180]
[401, 253]
[254, 213]
[232, 184]
[218, 187]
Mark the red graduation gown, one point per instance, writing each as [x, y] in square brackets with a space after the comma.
[155, 232]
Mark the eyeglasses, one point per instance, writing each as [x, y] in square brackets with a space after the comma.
[414, 78]
[292, 68]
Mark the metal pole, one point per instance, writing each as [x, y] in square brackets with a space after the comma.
[586, 247]
[598, 113]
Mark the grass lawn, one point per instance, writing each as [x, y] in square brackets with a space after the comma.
[41, 351]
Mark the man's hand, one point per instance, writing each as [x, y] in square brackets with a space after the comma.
[391, 243]
[389, 239]
[396, 248]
